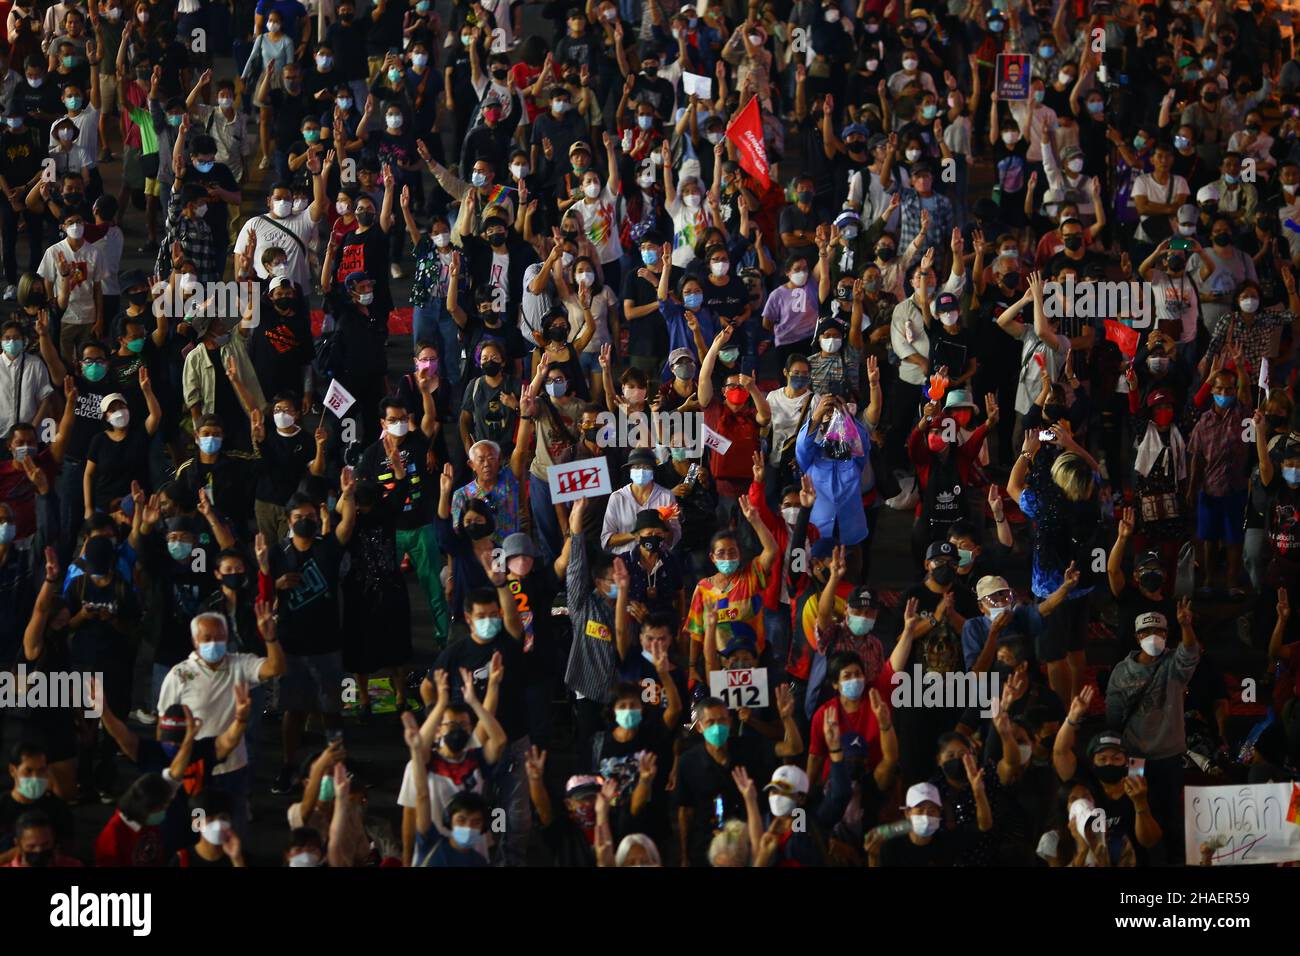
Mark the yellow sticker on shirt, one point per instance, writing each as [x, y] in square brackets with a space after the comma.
[597, 630]
[728, 614]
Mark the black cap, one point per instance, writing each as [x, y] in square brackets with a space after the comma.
[941, 549]
[642, 458]
[132, 278]
[863, 598]
[649, 519]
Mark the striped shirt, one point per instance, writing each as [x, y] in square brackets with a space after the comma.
[593, 657]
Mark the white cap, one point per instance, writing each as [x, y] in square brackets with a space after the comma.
[279, 281]
[1208, 193]
[919, 793]
[107, 401]
[788, 780]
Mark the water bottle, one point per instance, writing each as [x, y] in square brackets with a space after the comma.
[889, 831]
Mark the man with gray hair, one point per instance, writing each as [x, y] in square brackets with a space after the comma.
[205, 682]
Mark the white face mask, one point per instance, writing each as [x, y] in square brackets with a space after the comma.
[119, 419]
[365, 298]
[273, 26]
[831, 344]
[398, 429]
[949, 318]
[1249, 306]
[591, 190]
[283, 421]
[797, 279]
[75, 230]
[872, 65]
[1187, 230]
[1153, 644]
[586, 278]
[791, 515]
[1026, 752]
[923, 825]
[1064, 78]
[341, 208]
[393, 120]
[692, 200]
[719, 269]
[912, 155]
[518, 170]
[298, 205]
[214, 832]
[646, 180]
[1075, 165]
[780, 804]
[1009, 137]
[634, 395]
[566, 258]
[442, 239]
[304, 859]
[910, 65]
[282, 208]
[225, 102]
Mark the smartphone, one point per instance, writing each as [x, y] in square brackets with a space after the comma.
[1180, 244]
[1137, 766]
[1047, 435]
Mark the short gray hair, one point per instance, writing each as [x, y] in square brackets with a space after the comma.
[730, 846]
[196, 626]
[644, 842]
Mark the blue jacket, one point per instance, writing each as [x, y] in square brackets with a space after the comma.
[839, 487]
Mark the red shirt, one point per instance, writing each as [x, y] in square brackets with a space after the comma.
[862, 722]
[121, 844]
[19, 493]
[734, 470]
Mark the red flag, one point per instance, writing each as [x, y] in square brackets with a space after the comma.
[1123, 336]
[746, 131]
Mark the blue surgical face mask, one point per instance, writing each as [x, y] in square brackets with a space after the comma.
[212, 651]
[612, 592]
[478, 179]
[678, 454]
[464, 836]
[852, 688]
[727, 565]
[154, 819]
[929, 111]
[859, 625]
[799, 382]
[487, 627]
[643, 476]
[210, 444]
[717, 734]
[1096, 106]
[628, 719]
[693, 300]
[556, 389]
[965, 558]
[180, 550]
[1291, 476]
[204, 167]
[1181, 142]
[8, 532]
[650, 256]
[683, 371]
[645, 121]
[729, 355]
[1225, 401]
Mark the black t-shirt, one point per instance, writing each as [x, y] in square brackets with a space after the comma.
[283, 463]
[726, 301]
[940, 648]
[368, 252]
[417, 508]
[953, 348]
[117, 464]
[287, 113]
[492, 418]
[20, 155]
[152, 757]
[385, 33]
[124, 372]
[279, 348]
[225, 398]
[49, 804]
[217, 216]
[181, 592]
[648, 335]
[88, 421]
[945, 849]
[477, 659]
[309, 613]
[567, 841]
[702, 781]
[534, 597]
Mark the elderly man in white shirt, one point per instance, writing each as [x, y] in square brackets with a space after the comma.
[617, 535]
[25, 385]
[205, 682]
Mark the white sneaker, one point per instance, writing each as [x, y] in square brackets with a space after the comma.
[144, 717]
[907, 496]
[395, 271]
[11, 293]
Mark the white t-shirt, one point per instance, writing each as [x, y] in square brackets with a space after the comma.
[209, 692]
[786, 415]
[600, 222]
[1176, 299]
[109, 248]
[81, 301]
[443, 788]
[688, 226]
[270, 232]
[87, 123]
[1145, 185]
[601, 304]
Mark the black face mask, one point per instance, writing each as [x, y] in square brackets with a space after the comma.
[491, 368]
[1011, 280]
[1111, 773]
[456, 739]
[283, 305]
[1073, 243]
[591, 433]
[1151, 580]
[40, 858]
[1175, 263]
[304, 527]
[236, 581]
[954, 769]
[943, 574]
[557, 333]
[73, 199]
[476, 530]
[570, 236]
[366, 217]
[500, 74]
[137, 298]
[1222, 239]
[1210, 97]
[885, 253]
[496, 238]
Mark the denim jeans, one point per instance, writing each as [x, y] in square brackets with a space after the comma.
[512, 794]
[237, 783]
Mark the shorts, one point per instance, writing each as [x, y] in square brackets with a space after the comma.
[1065, 631]
[1220, 517]
[313, 682]
[590, 362]
[108, 93]
[132, 169]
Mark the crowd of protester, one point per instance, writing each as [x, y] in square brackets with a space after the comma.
[467, 249]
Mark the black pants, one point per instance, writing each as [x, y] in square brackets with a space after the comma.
[9, 231]
[588, 720]
[902, 416]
